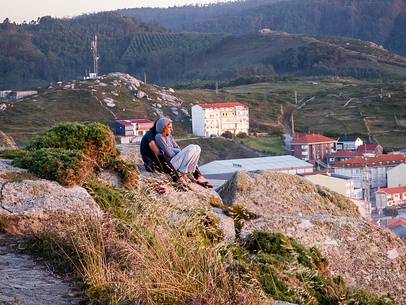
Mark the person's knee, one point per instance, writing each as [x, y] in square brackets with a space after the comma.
[197, 148]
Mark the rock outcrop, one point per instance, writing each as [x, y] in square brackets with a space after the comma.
[32, 202]
[7, 142]
[367, 256]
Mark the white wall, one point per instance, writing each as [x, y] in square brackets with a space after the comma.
[397, 176]
[198, 121]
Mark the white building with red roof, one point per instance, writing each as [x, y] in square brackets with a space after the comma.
[312, 147]
[131, 131]
[215, 119]
[395, 196]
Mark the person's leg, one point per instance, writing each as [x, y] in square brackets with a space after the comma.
[168, 167]
[186, 160]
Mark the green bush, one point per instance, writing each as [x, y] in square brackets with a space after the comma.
[227, 135]
[68, 167]
[70, 153]
[13, 154]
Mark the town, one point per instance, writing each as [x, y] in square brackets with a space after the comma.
[348, 165]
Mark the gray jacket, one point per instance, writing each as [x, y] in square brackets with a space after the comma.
[167, 145]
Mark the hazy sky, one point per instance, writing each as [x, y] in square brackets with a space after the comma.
[20, 10]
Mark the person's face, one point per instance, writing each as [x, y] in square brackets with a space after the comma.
[168, 130]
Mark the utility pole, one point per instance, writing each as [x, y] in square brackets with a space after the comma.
[366, 185]
[217, 88]
[292, 124]
[145, 77]
[295, 97]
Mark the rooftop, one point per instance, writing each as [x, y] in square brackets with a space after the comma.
[135, 121]
[348, 138]
[221, 105]
[254, 164]
[381, 160]
[393, 190]
[311, 138]
[367, 147]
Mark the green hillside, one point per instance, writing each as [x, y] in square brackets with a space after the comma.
[35, 54]
[374, 110]
[378, 21]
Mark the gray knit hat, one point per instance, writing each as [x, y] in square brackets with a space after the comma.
[162, 123]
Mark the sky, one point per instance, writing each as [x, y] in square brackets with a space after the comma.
[20, 10]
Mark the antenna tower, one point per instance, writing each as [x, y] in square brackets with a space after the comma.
[95, 53]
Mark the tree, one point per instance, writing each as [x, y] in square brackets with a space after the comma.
[390, 211]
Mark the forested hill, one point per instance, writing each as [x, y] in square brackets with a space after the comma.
[56, 49]
[50, 50]
[380, 21]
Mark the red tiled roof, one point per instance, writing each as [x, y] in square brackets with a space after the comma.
[381, 160]
[135, 121]
[312, 138]
[393, 190]
[346, 153]
[221, 105]
[367, 147]
[395, 223]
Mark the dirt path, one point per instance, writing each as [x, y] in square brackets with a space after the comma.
[26, 282]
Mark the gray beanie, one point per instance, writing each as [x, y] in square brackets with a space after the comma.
[161, 124]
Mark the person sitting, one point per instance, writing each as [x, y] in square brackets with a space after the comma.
[154, 160]
[183, 160]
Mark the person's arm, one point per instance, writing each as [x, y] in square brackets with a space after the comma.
[154, 148]
[175, 145]
[164, 146]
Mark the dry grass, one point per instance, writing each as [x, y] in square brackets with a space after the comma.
[146, 260]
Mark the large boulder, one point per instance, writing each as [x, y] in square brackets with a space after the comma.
[29, 203]
[194, 204]
[367, 256]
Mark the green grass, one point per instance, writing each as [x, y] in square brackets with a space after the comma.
[272, 145]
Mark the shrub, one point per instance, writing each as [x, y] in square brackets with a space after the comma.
[242, 135]
[13, 154]
[68, 167]
[227, 134]
[70, 153]
[95, 140]
[390, 211]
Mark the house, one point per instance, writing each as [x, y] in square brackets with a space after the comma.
[131, 131]
[373, 149]
[370, 171]
[313, 147]
[17, 95]
[342, 155]
[215, 119]
[395, 196]
[349, 142]
[4, 94]
[218, 172]
[397, 176]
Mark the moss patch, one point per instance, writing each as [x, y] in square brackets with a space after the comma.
[289, 272]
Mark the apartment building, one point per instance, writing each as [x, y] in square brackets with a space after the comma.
[215, 119]
[313, 147]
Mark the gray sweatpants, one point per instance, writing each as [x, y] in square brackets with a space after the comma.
[186, 160]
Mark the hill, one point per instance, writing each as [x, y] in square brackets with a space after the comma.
[49, 50]
[374, 110]
[378, 21]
